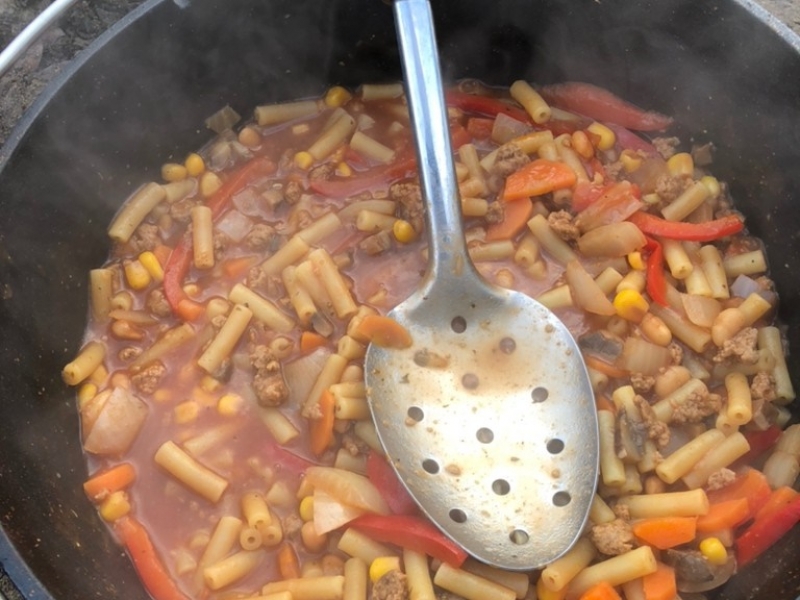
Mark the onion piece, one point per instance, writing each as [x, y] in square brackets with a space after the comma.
[330, 514]
[234, 225]
[301, 374]
[223, 119]
[641, 356]
[507, 128]
[612, 240]
[616, 204]
[348, 488]
[585, 291]
[743, 286]
[117, 424]
[700, 310]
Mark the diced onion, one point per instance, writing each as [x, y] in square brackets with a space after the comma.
[700, 310]
[506, 128]
[585, 291]
[234, 225]
[743, 286]
[223, 119]
[640, 356]
[301, 374]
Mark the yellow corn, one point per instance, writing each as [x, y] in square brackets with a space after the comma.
[85, 393]
[636, 261]
[151, 264]
[192, 290]
[229, 405]
[714, 551]
[651, 198]
[607, 137]
[173, 172]
[681, 163]
[186, 412]
[382, 565]
[545, 593]
[403, 231]
[115, 506]
[630, 305]
[337, 96]
[210, 384]
[249, 137]
[712, 183]
[194, 164]
[307, 508]
[209, 183]
[303, 160]
[343, 169]
[136, 275]
[630, 161]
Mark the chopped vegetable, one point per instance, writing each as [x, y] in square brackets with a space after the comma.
[723, 515]
[515, 218]
[484, 105]
[601, 591]
[384, 331]
[617, 202]
[679, 230]
[111, 480]
[661, 584]
[540, 176]
[666, 532]
[765, 532]
[751, 485]
[383, 477]
[375, 177]
[310, 341]
[348, 488]
[321, 428]
[656, 278]
[778, 499]
[288, 565]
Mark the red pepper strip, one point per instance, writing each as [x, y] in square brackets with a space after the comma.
[484, 105]
[413, 533]
[383, 477]
[692, 232]
[341, 188]
[147, 563]
[602, 105]
[656, 281]
[180, 258]
[760, 442]
[765, 532]
[283, 458]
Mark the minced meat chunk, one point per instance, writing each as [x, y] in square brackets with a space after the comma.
[392, 586]
[696, 408]
[509, 158]
[666, 146]
[157, 304]
[763, 387]
[495, 212]
[146, 237]
[259, 237]
[221, 243]
[292, 192]
[268, 383]
[669, 187]
[676, 353]
[719, 479]
[642, 383]
[409, 203]
[323, 171]
[612, 538]
[377, 243]
[181, 210]
[657, 430]
[563, 223]
[740, 348]
[292, 524]
[147, 380]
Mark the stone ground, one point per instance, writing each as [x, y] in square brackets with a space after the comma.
[88, 18]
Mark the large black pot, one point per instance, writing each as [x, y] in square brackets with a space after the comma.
[722, 67]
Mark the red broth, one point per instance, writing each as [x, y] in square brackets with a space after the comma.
[645, 333]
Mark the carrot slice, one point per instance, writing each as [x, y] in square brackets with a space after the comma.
[601, 591]
[723, 515]
[236, 267]
[288, 564]
[603, 367]
[538, 177]
[310, 341]
[111, 480]
[479, 127]
[321, 429]
[752, 484]
[384, 332]
[162, 253]
[189, 310]
[515, 218]
[776, 501]
[660, 584]
[666, 532]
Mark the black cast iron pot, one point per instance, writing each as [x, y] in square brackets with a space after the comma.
[726, 70]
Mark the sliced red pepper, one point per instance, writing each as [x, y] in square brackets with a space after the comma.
[656, 280]
[148, 565]
[484, 105]
[692, 232]
[480, 128]
[586, 193]
[350, 186]
[763, 533]
[413, 533]
[760, 442]
[175, 272]
[221, 199]
[283, 458]
[383, 477]
[597, 103]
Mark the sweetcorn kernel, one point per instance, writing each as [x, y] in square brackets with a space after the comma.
[85, 393]
[115, 506]
[681, 163]
[229, 405]
[630, 305]
[343, 169]
[195, 165]
[303, 160]
[136, 275]
[714, 551]
[337, 96]
[151, 264]
[173, 172]
[636, 261]
[209, 183]
[307, 508]
[630, 161]
[382, 565]
[403, 231]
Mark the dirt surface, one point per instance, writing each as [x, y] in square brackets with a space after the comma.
[87, 19]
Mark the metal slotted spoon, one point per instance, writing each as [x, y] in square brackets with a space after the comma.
[488, 418]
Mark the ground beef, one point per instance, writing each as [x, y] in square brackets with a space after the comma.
[221, 243]
[719, 479]
[259, 237]
[354, 445]
[612, 538]
[510, 158]
[763, 387]
[676, 353]
[257, 279]
[322, 172]
[268, 383]
[495, 213]
[740, 348]
[292, 524]
[181, 210]
[696, 408]
[657, 430]
[409, 203]
[147, 380]
[146, 237]
[129, 353]
[157, 304]
[665, 146]
[641, 383]
[377, 243]
[391, 586]
[563, 223]
[703, 155]
[621, 510]
[292, 192]
[669, 187]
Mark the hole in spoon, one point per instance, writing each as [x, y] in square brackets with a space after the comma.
[459, 324]
[470, 381]
[501, 487]
[507, 345]
[458, 515]
[555, 446]
[415, 413]
[485, 435]
[539, 394]
[561, 498]
[430, 466]
[519, 537]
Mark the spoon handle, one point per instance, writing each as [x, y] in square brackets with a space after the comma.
[420, 58]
